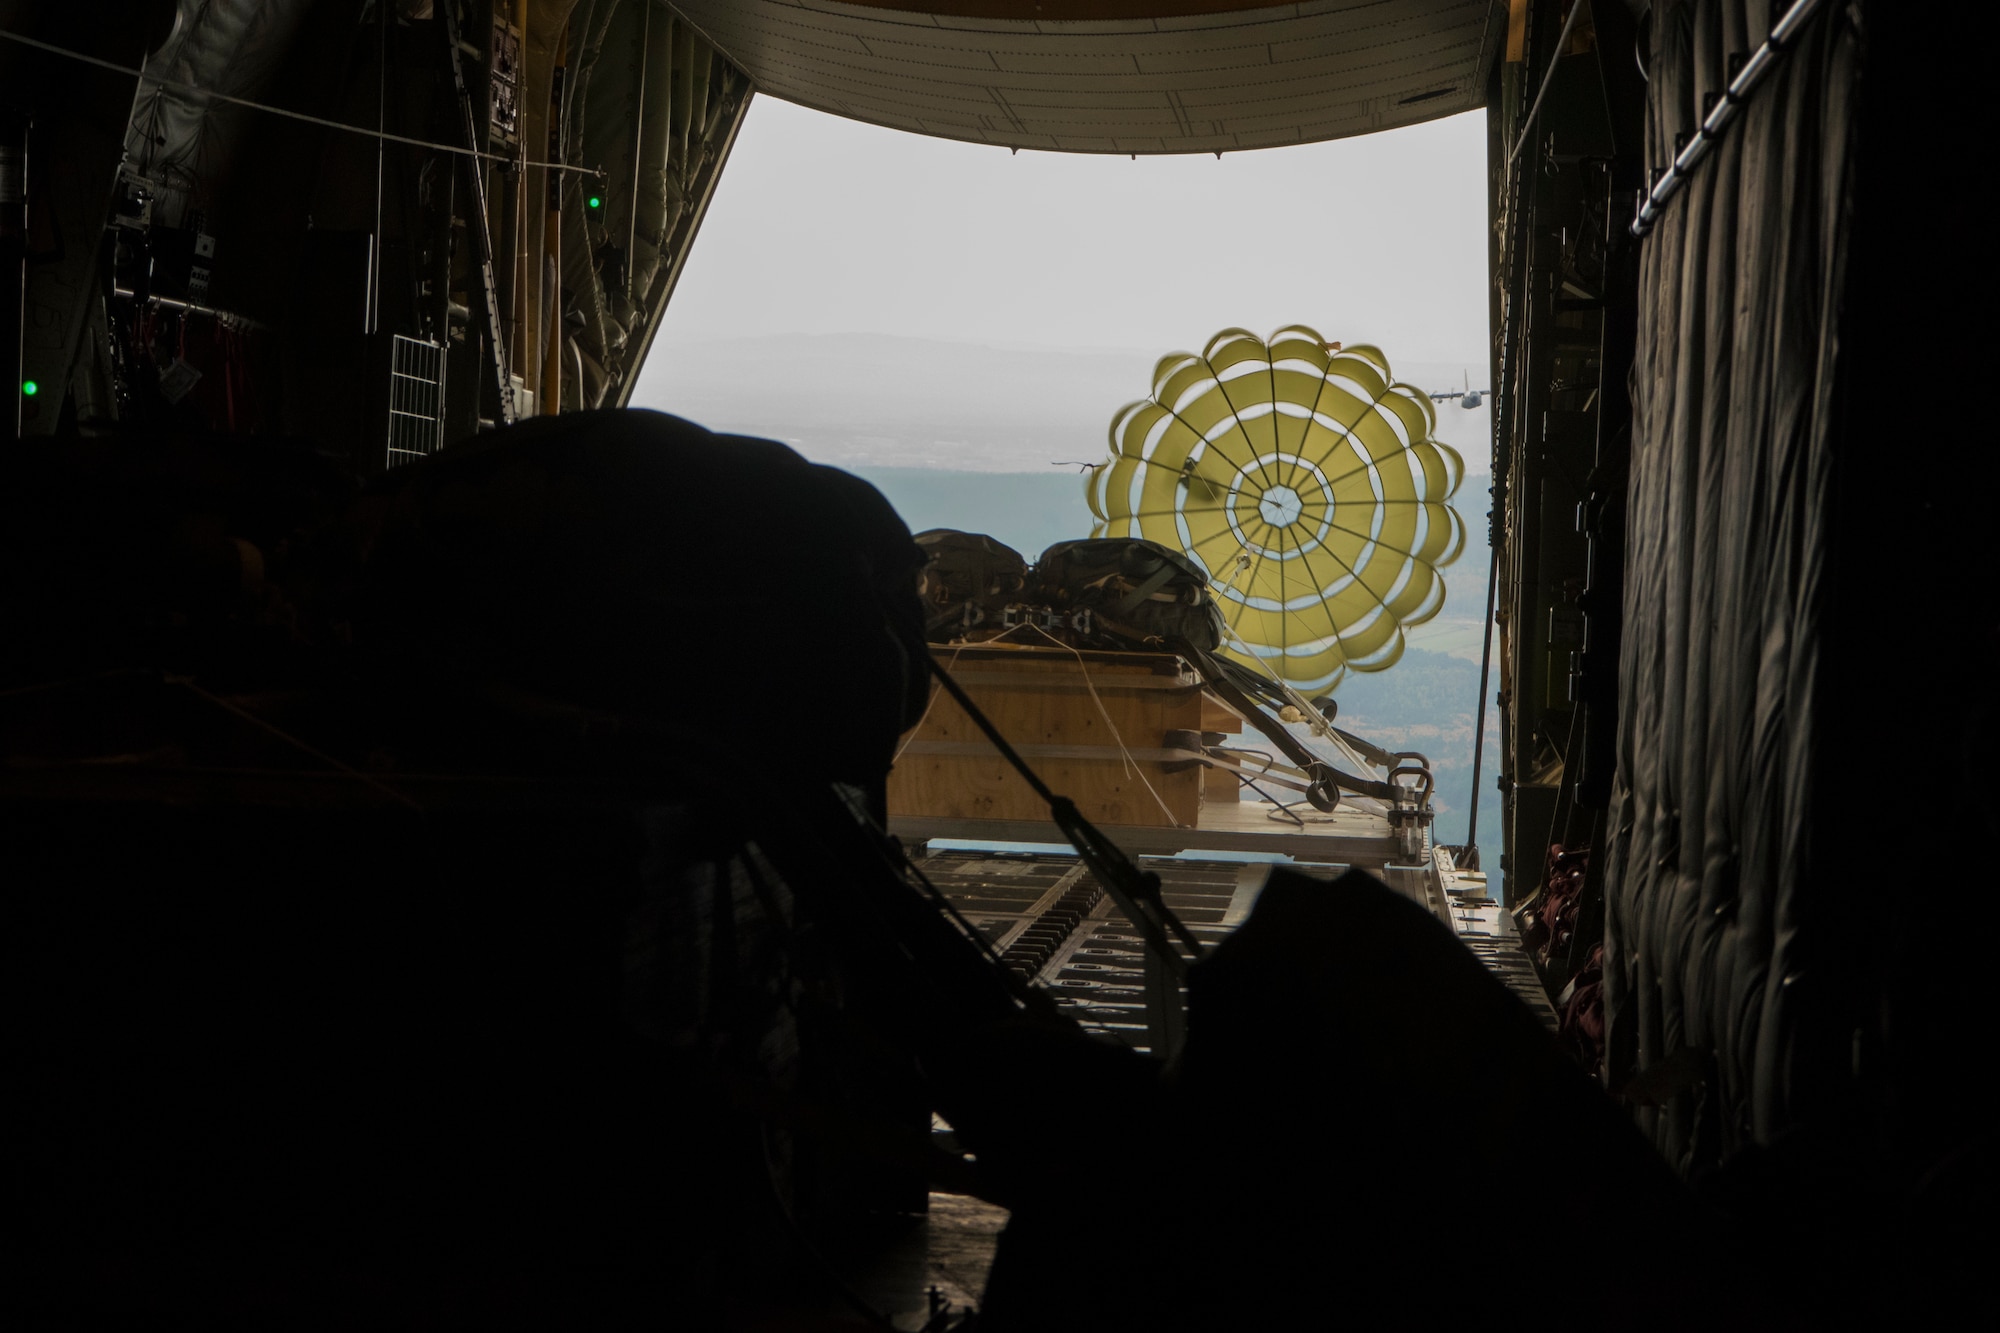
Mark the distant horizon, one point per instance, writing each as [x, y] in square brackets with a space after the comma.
[951, 305]
[957, 405]
[950, 321]
[682, 338]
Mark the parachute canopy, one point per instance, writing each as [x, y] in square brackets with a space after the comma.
[1306, 481]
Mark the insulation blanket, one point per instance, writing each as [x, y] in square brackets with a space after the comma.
[1710, 905]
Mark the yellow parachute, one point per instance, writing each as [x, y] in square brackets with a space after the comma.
[1309, 485]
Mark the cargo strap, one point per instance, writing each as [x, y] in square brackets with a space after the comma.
[1327, 781]
[1136, 891]
[1155, 581]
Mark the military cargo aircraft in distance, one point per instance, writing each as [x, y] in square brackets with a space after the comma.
[1469, 398]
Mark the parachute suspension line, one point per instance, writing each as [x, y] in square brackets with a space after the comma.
[930, 703]
[1236, 416]
[1334, 426]
[1125, 755]
[211, 95]
[1385, 545]
[1359, 582]
[1374, 464]
[1136, 891]
[1305, 558]
[1214, 446]
[1312, 417]
[1277, 436]
[1284, 599]
[1320, 725]
[1250, 579]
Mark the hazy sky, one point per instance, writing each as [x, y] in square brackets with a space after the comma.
[823, 226]
[1081, 272]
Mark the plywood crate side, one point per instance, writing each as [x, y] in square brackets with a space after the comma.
[1106, 791]
[1034, 699]
[1218, 716]
[1220, 785]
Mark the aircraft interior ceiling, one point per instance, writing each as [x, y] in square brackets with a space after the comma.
[449, 849]
[1196, 79]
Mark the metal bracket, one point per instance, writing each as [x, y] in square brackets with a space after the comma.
[1045, 617]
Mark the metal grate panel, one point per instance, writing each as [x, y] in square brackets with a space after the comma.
[416, 400]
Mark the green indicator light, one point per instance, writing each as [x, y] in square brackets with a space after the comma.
[595, 202]
[29, 388]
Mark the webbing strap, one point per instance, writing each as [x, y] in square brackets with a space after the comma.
[1136, 891]
[1159, 579]
[1293, 748]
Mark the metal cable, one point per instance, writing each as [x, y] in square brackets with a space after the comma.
[1137, 892]
[1555, 58]
[1479, 728]
[266, 107]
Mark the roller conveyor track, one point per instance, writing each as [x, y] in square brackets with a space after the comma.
[1050, 921]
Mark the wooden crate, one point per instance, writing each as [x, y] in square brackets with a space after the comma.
[1041, 700]
[1219, 785]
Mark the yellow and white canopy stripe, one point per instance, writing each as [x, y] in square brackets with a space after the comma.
[1306, 481]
